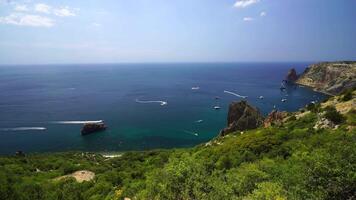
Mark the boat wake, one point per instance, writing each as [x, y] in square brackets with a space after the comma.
[24, 129]
[77, 122]
[196, 88]
[190, 132]
[233, 93]
[160, 102]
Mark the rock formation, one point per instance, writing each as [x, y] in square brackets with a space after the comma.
[291, 76]
[242, 116]
[92, 127]
[275, 118]
[324, 123]
[329, 77]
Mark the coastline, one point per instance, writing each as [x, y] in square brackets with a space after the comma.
[315, 90]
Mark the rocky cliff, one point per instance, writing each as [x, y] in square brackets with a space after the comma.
[291, 76]
[329, 77]
[275, 118]
[242, 116]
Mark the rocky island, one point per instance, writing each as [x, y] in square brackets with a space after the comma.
[291, 76]
[89, 128]
[329, 77]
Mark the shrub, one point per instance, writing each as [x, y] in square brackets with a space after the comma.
[347, 96]
[351, 117]
[292, 118]
[333, 115]
[313, 107]
[268, 190]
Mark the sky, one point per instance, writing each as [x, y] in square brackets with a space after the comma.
[115, 31]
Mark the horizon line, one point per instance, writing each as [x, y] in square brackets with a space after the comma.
[167, 62]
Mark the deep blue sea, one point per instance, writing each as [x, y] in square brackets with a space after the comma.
[40, 106]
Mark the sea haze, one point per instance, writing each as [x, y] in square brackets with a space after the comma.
[43, 107]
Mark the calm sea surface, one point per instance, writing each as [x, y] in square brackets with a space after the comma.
[41, 106]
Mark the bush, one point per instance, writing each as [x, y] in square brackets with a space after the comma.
[347, 96]
[333, 115]
[292, 118]
[267, 190]
[313, 107]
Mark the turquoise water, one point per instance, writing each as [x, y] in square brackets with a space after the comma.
[39, 104]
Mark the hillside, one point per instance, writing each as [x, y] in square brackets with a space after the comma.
[329, 77]
[296, 159]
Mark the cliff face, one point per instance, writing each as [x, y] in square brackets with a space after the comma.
[242, 116]
[329, 77]
[275, 117]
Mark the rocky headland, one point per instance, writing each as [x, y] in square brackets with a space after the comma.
[329, 77]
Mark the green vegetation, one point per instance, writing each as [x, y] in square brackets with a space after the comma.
[333, 115]
[313, 107]
[347, 94]
[291, 161]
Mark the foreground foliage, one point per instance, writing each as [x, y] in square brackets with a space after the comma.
[290, 161]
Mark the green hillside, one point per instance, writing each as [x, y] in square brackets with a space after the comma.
[293, 160]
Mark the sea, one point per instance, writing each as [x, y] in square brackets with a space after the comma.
[145, 106]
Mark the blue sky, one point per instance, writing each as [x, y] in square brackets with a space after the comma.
[111, 31]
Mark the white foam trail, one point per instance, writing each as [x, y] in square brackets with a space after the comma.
[77, 122]
[196, 88]
[161, 102]
[25, 129]
[199, 121]
[190, 132]
[233, 93]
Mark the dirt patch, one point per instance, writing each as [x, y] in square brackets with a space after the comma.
[79, 176]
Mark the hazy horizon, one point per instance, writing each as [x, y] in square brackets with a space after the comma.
[201, 31]
[163, 63]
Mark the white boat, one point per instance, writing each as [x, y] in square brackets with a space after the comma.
[217, 107]
[261, 97]
[191, 132]
[284, 100]
[195, 88]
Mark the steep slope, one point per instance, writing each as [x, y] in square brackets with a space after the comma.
[329, 77]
